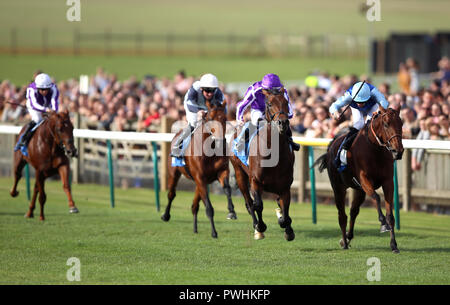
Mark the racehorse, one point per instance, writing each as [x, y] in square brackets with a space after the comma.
[204, 167]
[47, 154]
[275, 176]
[370, 164]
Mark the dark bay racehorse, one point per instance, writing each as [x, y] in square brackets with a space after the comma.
[370, 165]
[47, 154]
[270, 166]
[204, 166]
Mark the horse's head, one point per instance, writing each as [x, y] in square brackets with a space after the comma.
[387, 128]
[62, 131]
[277, 109]
[216, 119]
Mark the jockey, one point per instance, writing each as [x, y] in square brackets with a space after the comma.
[364, 100]
[42, 97]
[256, 99]
[202, 91]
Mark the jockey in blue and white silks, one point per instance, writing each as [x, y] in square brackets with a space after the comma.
[364, 100]
[206, 89]
[42, 96]
[255, 99]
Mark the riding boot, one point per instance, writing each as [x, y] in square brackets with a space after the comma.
[178, 145]
[346, 144]
[26, 135]
[295, 146]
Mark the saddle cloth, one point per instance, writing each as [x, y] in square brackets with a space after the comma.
[24, 148]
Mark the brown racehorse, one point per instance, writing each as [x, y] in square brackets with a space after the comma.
[47, 154]
[271, 143]
[203, 166]
[370, 165]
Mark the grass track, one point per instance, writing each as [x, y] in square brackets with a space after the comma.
[131, 245]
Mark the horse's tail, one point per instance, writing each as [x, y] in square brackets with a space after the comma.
[323, 162]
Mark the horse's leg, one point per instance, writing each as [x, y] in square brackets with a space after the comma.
[256, 191]
[64, 174]
[42, 196]
[367, 187]
[388, 189]
[203, 191]
[242, 182]
[19, 163]
[285, 221]
[30, 213]
[224, 181]
[195, 207]
[174, 176]
[354, 211]
[339, 197]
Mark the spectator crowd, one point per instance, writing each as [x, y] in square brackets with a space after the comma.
[138, 105]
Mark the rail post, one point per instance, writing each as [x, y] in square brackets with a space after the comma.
[396, 203]
[312, 178]
[27, 179]
[111, 173]
[155, 174]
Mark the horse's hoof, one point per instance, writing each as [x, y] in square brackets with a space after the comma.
[396, 251]
[214, 235]
[165, 217]
[28, 215]
[278, 212]
[231, 215]
[385, 228]
[73, 210]
[343, 246]
[289, 236]
[14, 194]
[258, 235]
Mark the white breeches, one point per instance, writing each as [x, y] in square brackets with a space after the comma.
[358, 118]
[255, 115]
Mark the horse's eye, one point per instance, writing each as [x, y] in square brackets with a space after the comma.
[386, 125]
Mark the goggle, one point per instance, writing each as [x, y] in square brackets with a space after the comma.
[275, 91]
[208, 90]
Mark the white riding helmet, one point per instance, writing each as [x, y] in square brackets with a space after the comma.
[363, 95]
[43, 81]
[209, 81]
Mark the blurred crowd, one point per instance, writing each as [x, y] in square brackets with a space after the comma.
[138, 105]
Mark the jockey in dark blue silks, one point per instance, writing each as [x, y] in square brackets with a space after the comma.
[42, 97]
[364, 100]
[206, 89]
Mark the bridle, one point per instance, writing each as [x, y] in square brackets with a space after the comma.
[388, 144]
[269, 105]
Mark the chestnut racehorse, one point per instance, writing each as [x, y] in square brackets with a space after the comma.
[204, 167]
[47, 154]
[370, 165]
[270, 166]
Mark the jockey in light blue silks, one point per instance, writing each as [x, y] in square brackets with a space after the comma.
[206, 89]
[255, 99]
[364, 100]
[42, 96]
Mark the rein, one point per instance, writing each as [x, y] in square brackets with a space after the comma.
[388, 143]
[272, 116]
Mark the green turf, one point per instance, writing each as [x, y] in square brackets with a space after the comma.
[19, 69]
[215, 17]
[131, 245]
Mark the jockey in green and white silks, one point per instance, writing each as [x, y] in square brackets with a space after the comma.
[206, 89]
[364, 100]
